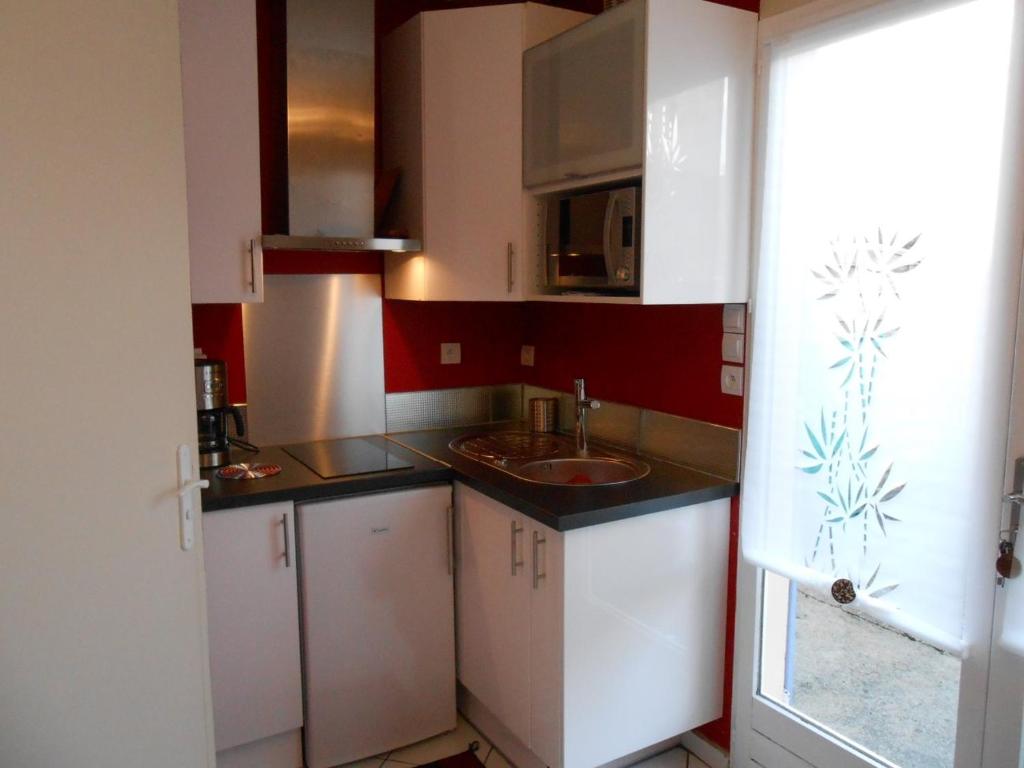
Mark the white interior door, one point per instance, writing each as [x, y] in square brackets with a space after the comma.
[883, 322]
[103, 639]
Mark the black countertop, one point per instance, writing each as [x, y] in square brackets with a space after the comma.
[297, 482]
[563, 508]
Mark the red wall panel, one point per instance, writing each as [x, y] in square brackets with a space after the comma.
[490, 334]
[667, 358]
[217, 328]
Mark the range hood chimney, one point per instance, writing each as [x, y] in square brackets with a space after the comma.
[331, 130]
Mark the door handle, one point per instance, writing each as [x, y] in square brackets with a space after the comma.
[511, 255]
[186, 506]
[516, 561]
[451, 540]
[537, 575]
[287, 541]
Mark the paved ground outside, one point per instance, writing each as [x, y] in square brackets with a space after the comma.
[875, 686]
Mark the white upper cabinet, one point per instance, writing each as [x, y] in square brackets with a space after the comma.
[451, 123]
[660, 91]
[222, 153]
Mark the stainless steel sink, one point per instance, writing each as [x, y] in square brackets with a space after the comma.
[583, 471]
[549, 458]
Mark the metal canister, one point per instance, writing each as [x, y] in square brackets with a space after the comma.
[543, 414]
[211, 385]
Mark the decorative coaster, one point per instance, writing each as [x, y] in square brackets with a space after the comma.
[247, 471]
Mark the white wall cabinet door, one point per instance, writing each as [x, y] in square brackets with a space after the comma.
[451, 117]
[493, 607]
[252, 599]
[222, 153]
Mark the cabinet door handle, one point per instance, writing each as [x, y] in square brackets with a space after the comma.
[516, 562]
[537, 575]
[252, 266]
[287, 541]
[511, 254]
[451, 540]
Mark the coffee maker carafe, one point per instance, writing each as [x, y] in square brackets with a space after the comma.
[212, 411]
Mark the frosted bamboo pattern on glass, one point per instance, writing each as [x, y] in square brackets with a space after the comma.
[859, 279]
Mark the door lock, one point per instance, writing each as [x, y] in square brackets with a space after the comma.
[1007, 564]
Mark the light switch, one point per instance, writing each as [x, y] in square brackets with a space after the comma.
[451, 353]
[734, 318]
[732, 347]
[526, 355]
[732, 380]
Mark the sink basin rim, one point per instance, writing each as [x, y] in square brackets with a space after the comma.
[631, 470]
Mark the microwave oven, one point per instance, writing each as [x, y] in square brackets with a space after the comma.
[591, 241]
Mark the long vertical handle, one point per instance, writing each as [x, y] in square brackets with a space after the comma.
[537, 575]
[511, 253]
[287, 541]
[255, 270]
[451, 540]
[516, 562]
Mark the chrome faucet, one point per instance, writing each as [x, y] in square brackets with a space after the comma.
[583, 404]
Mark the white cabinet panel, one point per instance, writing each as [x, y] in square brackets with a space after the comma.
[252, 602]
[547, 675]
[222, 153]
[494, 580]
[378, 622]
[700, 97]
[645, 603]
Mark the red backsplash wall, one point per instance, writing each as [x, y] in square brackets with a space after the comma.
[490, 334]
[666, 358]
[217, 329]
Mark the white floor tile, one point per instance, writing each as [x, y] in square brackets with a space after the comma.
[445, 745]
[673, 758]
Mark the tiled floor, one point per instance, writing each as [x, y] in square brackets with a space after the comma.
[457, 741]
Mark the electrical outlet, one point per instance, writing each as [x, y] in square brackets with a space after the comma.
[732, 347]
[526, 355]
[732, 380]
[451, 353]
[734, 318]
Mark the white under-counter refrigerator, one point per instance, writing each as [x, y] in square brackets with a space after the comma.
[378, 623]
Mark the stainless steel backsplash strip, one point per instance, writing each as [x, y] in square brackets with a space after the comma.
[708, 447]
[437, 408]
[699, 444]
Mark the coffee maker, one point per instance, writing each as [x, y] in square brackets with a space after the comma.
[212, 411]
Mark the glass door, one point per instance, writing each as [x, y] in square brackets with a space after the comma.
[883, 317]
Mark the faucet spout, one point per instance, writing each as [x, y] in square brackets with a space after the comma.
[583, 404]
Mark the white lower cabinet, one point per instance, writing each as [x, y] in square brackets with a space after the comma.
[593, 644]
[253, 610]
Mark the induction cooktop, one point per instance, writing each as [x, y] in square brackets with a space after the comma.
[346, 456]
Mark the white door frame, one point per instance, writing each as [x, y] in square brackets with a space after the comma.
[990, 715]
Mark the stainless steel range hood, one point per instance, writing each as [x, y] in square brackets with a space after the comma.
[331, 130]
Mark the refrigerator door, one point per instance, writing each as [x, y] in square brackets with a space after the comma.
[378, 622]
[314, 358]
